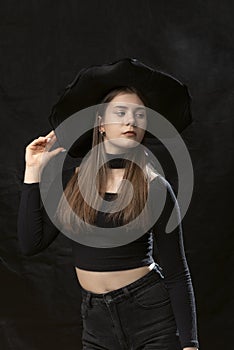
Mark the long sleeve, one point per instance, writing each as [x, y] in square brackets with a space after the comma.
[171, 257]
[35, 230]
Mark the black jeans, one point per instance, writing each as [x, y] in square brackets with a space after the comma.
[136, 317]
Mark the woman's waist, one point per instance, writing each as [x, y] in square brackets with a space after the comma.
[106, 281]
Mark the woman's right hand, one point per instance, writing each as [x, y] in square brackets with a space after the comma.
[37, 152]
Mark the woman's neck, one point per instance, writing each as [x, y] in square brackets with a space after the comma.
[118, 160]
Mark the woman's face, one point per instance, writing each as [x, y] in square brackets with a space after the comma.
[124, 123]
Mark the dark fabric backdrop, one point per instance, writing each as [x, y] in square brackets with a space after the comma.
[43, 45]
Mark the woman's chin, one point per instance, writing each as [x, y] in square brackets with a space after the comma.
[122, 144]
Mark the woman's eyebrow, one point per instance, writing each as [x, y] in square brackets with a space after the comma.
[127, 107]
[140, 108]
[121, 107]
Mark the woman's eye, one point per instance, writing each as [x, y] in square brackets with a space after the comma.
[140, 115]
[120, 113]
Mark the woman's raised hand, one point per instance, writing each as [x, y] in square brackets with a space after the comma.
[37, 152]
[37, 155]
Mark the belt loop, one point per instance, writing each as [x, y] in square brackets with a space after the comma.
[127, 293]
[88, 300]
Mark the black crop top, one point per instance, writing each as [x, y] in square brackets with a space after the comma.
[36, 232]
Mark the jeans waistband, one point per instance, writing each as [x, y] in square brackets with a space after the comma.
[124, 292]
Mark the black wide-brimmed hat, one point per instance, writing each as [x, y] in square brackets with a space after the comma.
[163, 93]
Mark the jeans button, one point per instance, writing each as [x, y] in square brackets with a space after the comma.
[108, 298]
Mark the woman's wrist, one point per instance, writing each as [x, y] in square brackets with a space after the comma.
[32, 174]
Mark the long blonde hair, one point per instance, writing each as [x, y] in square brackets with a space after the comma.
[88, 183]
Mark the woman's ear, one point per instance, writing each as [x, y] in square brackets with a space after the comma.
[100, 123]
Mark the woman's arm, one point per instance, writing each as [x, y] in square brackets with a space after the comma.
[34, 228]
[171, 257]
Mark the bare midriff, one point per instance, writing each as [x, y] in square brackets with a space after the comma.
[106, 281]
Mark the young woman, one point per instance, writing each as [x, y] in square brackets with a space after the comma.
[129, 300]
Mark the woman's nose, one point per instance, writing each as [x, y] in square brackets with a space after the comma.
[129, 119]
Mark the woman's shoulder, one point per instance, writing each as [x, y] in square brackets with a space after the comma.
[156, 180]
[151, 172]
[154, 177]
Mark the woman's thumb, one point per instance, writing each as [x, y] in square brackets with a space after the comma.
[57, 151]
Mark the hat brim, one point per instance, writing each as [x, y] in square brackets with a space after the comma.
[164, 94]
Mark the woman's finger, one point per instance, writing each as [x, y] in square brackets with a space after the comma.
[38, 141]
[50, 142]
[56, 151]
[42, 139]
[51, 133]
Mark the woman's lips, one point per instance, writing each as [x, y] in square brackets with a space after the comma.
[130, 133]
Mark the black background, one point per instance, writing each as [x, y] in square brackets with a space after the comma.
[43, 46]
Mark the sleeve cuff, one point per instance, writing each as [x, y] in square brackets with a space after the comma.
[26, 186]
[191, 344]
